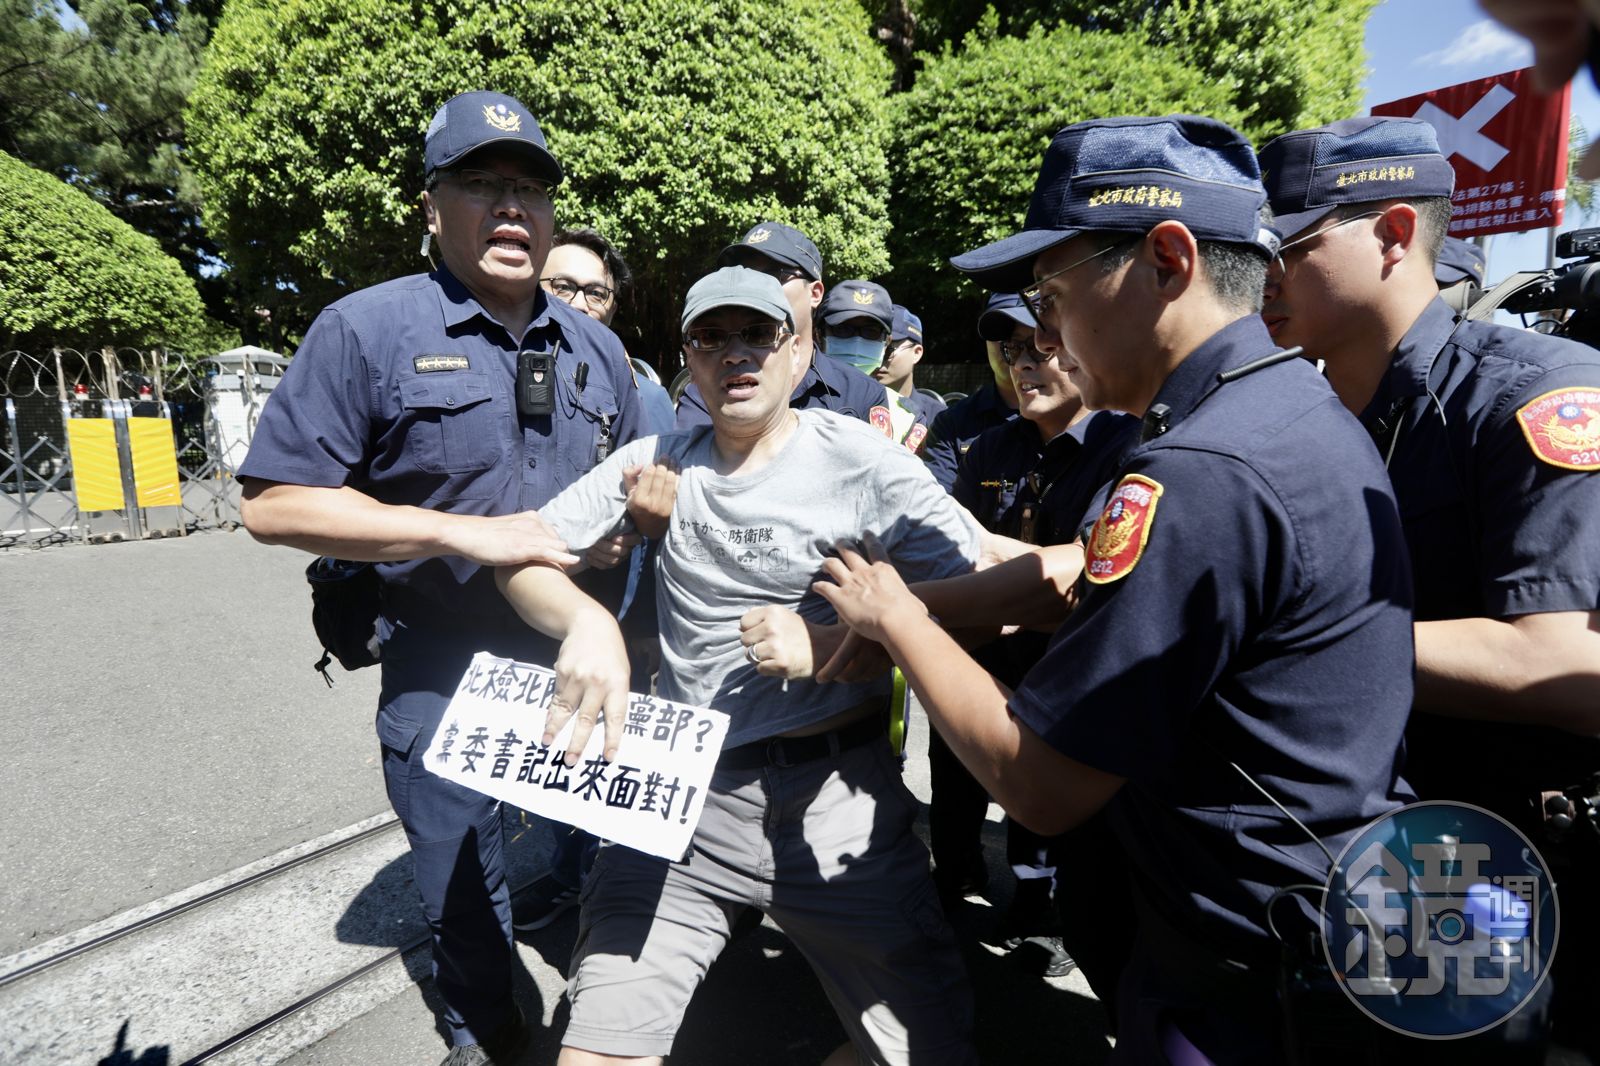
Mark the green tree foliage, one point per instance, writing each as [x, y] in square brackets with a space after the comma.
[679, 126]
[74, 275]
[971, 133]
[1285, 64]
[98, 102]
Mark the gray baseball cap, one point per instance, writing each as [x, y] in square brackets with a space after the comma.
[737, 286]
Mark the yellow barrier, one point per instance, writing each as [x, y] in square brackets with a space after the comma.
[155, 462]
[96, 470]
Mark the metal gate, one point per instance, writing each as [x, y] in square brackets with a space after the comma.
[118, 399]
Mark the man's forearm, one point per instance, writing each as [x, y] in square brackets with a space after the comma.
[546, 598]
[1539, 669]
[348, 524]
[342, 522]
[1032, 589]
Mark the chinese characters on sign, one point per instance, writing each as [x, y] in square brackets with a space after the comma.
[649, 799]
[1508, 145]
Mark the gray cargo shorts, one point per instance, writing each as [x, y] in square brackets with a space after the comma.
[826, 848]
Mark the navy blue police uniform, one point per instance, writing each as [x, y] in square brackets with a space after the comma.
[953, 431]
[1039, 492]
[406, 391]
[1244, 587]
[925, 407]
[1491, 436]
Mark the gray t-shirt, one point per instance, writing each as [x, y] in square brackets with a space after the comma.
[740, 542]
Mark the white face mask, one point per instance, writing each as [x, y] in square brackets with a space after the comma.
[866, 356]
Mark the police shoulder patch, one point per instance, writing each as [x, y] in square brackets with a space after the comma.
[879, 416]
[1122, 530]
[1563, 427]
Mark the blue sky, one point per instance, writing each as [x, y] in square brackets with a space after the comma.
[1417, 45]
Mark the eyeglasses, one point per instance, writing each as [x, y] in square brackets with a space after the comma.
[1283, 264]
[1014, 352]
[484, 187]
[1038, 304]
[864, 328]
[568, 289]
[756, 335]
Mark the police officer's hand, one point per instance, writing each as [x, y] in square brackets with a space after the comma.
[607, 553]
[591, 683]
[855, 659]
[866, 590]
[504, 540]
[652, 490]
[782, 644]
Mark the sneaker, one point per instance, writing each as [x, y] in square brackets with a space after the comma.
[542, 904]
[1043, 955]
[1060, 963]
[499, 1050]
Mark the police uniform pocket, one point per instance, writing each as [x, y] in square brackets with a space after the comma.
[591, 426]
[452, 428]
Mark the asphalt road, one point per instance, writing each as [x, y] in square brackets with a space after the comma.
[163, 724]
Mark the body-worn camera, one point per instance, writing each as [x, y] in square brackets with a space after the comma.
[536, 382]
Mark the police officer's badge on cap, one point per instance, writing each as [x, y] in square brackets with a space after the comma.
[1458, 261]
[907, 327]
[472, 120]
[1125, 175]
[857, 299]
[1004, 312]
[1359, 160]
[780, 243]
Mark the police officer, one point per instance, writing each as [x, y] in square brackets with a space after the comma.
[1244, 586]
[790, 256]
[1459, 273]
[1032, 479]
[402, 434]
[853, 325]
[995, 403]
[1492, 440]
[899, 365]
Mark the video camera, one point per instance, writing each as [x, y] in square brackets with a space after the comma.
[1572, 287]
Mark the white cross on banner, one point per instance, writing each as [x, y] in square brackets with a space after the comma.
[1461, 136]
[649, 798]
[1508, 146]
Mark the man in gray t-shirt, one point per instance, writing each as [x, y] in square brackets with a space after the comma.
[807, 817]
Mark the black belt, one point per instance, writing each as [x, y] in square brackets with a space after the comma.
[792, 751]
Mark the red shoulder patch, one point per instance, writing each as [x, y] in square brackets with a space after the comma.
[879, 416]
[1122, 530]
[1563, 427]
[915, 438]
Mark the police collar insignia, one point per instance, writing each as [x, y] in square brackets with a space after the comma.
[758, 237]
[1563, 427]
[429, 364]
[502, 118]
[1122, 530]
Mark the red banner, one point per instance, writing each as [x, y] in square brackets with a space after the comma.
[1508, 145]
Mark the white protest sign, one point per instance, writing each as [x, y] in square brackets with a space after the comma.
[649, 799]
